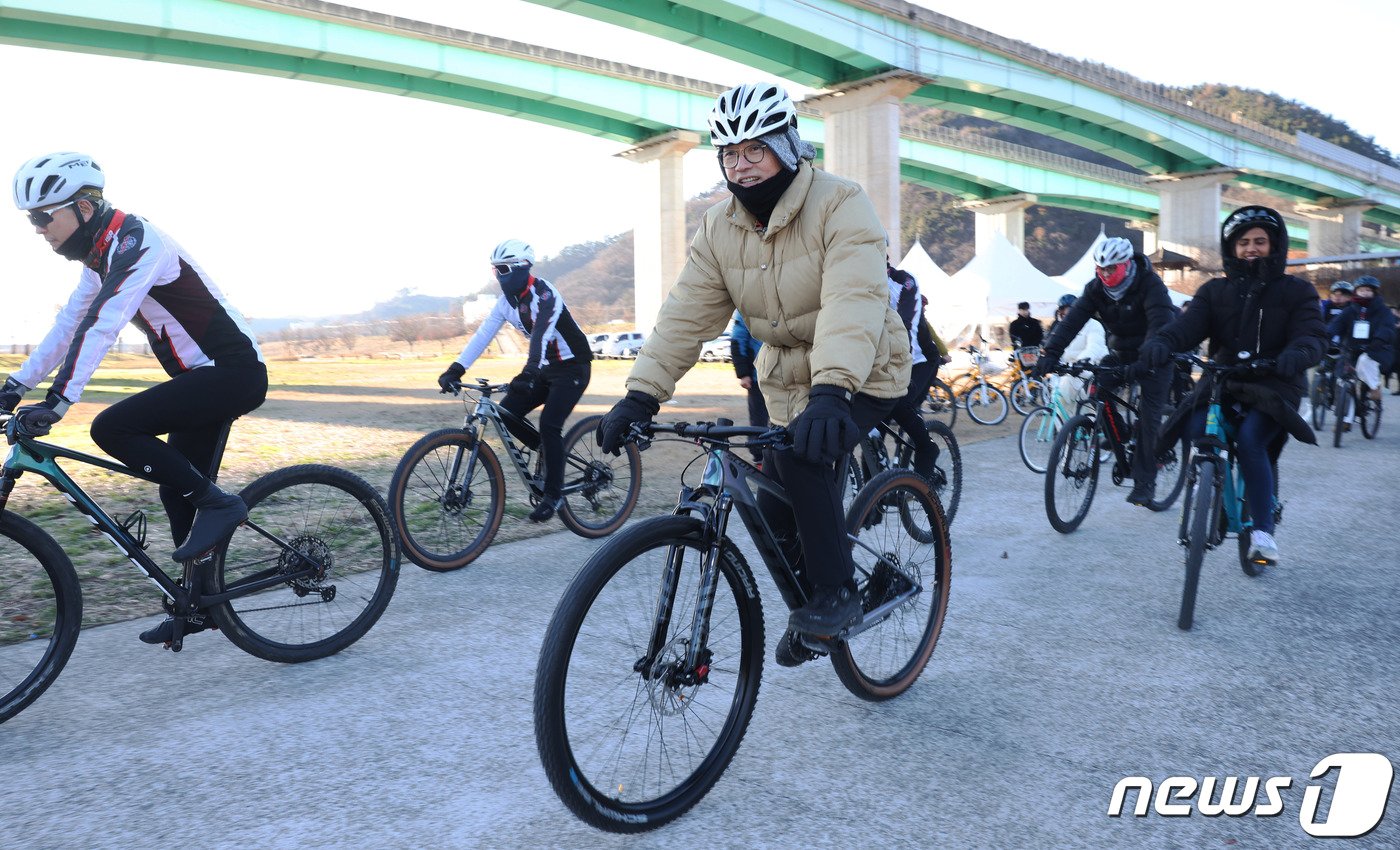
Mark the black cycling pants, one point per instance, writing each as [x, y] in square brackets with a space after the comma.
[1152, 403]
[192, 408]
[758, 412]
[815, 492]
[558, 388]
[906, 413]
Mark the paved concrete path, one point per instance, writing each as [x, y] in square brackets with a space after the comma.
[1060, 671]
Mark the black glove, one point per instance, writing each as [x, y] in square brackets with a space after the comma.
[1154, 353]
[35, 420]
[11, 394]
[448, 381]
[636, 408]
[524, 383]
[824, 431]
[1045, 365]
[1261, 367]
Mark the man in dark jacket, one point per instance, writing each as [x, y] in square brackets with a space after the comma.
[1255, 314]
[1131, 302]
[1025, 330]
[1374, 353]
[743, 348]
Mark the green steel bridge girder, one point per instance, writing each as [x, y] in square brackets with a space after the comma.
[547, 94]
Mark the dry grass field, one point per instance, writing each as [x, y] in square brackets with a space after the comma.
[360, 414]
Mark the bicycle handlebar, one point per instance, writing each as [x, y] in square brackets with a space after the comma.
[754, 436]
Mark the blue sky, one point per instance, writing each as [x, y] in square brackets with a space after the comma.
[308, 199]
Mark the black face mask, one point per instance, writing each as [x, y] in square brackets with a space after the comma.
[760, 199]
[513, 283]
[77, 246]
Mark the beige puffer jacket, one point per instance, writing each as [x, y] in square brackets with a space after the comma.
[811, 288]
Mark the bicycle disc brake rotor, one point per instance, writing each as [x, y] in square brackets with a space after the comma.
[292, 561]
[598, 476]
[456, 499]
[669, 685]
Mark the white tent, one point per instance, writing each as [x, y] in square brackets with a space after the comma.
[985, 291]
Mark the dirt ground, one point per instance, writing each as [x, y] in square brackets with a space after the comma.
[361, 414]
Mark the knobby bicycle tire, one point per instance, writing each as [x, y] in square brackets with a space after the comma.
[1342, 393]
[1072, 472]
[946, 480]
[590, 677]
[331, 516]
[445, 526]
[612, 485]
[1204, 516]
[884, 661]
[41, 610]
[1370, 417]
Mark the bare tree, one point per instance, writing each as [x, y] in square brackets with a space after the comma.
[408, 329]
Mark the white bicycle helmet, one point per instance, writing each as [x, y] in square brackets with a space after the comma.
[749, 111]
[1111, 252]
[513, 252]
[54, 178]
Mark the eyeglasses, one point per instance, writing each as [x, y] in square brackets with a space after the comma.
[507, 268]
[752, 153]
[43, 218]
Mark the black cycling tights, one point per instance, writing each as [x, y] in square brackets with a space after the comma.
[192, 408]
[558, 388]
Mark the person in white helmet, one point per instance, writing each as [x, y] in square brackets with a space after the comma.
[134, 273]
[1132, 304]
[557, 367]
[801, 254]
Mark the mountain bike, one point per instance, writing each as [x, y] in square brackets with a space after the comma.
[1349, 393]
[306, 575]
[887, 446]
[1320, 391]
[1042, 425]
[651, 664]
[448, 495]
[1214, 505]
[1104, 431]
[986, 403]
[941, 404]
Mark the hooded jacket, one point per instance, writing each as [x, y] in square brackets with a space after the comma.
[1259, 310]
[1142, 311]
[1381, 342]
[810, 286]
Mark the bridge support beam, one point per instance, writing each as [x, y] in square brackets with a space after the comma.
[862, 140]
[658, 237]
[1189, 218]
[1005, 215]
[1149, 234]
[1334, 229]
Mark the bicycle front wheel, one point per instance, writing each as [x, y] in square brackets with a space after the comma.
[600, 490]
[320, 517]
[1204, 513]
[1072, 473]
[1027, 394]
[447, 498]
[41, 609]
[1038, 433]
[946, 479]
[630, 734]
[1342, 394]
[891, 560]
[986, 404]
[1370, 416]
[1318, 398]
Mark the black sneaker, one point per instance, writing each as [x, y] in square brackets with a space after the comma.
[1141, 494]
[546, 509]
[828, 612]
[790, 651]
[165, 632]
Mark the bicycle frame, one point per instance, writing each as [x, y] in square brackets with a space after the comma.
[491, 412]
[42, 459]
[1217, 448]
[1110, 422]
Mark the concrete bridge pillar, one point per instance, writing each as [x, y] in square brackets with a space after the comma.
[1189, 218]
[1334, 229]
[1005, 215]
[862, 140]
[659, 245]
[1149, 235]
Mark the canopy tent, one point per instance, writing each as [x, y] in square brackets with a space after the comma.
[918, 263]
[985, 292]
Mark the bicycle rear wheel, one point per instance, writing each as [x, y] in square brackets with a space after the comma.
[883, 661]
[336, 520]
[41, 609]
[1072, 473]
[941, 403]
[607, 486]
[1203, 513]
[447, 498]
[986, 404]
[1370, 417]
[630, 736]
[1038, 432]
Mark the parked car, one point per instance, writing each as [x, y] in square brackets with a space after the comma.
[716, 350]
[598, 343]
[624, 344]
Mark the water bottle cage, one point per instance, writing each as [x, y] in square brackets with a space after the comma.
[135, 526]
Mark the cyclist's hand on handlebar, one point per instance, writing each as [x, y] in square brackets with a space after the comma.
[1155, 353]
[824, 430]
[1046, 365]
[450, 381]
[524, 383]
[11, 394]
[636, 408]
[35, 420]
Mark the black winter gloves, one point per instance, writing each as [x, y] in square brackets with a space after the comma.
[636, 408]
[35, 420]
[824, 431]
[11, 394]
[448, 381]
